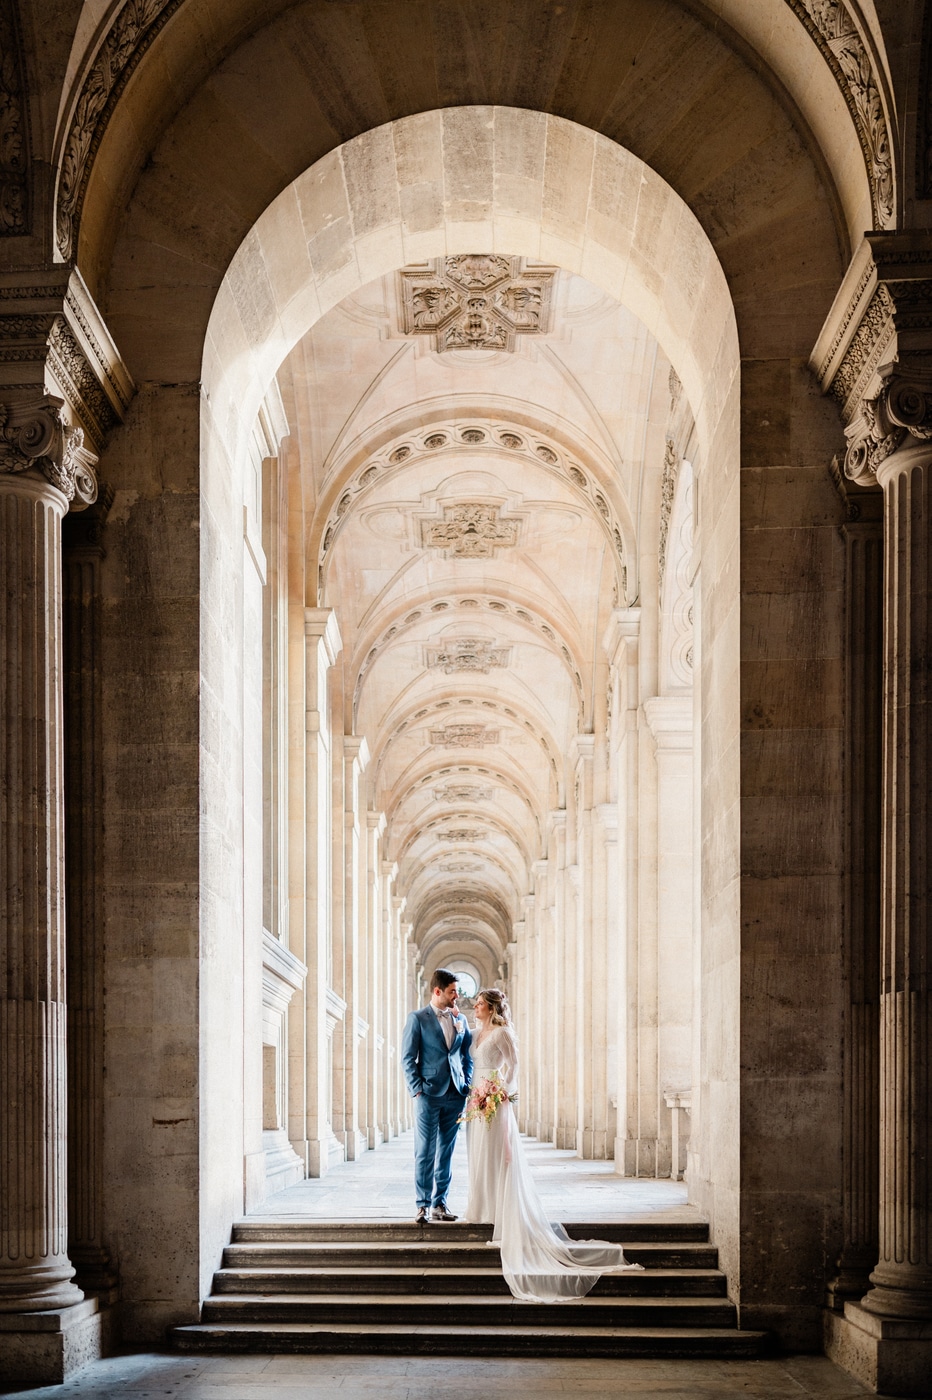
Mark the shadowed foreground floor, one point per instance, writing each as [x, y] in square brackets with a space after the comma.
[148, 1376]
[380, 1187]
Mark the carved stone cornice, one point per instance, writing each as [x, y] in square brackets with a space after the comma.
[832, 28]
[900, 411]
[52, 335]
[34, 436]
[874, 355]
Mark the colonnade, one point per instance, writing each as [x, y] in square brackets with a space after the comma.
[601, 970]
[333, 1088]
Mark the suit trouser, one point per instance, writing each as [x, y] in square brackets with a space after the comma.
[435, 1128]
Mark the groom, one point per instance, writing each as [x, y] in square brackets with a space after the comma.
[437, 1065]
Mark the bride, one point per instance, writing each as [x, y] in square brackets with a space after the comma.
[540, 1262]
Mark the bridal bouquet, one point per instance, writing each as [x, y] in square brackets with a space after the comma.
[485, 1099]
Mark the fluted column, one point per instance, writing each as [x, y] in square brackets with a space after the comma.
[863, 536]
[893, 439]
[83, 767]
[42, 468]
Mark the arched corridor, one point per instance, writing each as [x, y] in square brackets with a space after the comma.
[462, 501]
[482, 584]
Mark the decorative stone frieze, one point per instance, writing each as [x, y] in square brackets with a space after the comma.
[671, 464]
[464, 736]
[475, 301]
[463, 833]
[833, 28]
[463, 792]
[472, 655]
[134, 27]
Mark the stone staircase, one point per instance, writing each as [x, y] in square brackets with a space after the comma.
[300, 1286]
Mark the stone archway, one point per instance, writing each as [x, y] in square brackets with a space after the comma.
[398, 196]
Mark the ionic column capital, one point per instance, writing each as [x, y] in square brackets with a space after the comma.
[898, 418]
[35, 438]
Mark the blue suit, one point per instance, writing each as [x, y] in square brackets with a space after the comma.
[438, 1081]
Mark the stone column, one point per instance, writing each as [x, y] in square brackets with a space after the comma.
[622, 646]
[83, 768]
[391, 1032]
[42, 468]
[670, 720]
[310, 1128]
[354, 944]
[892, 439]
[377, 973]
[547, 991]
[863, 536]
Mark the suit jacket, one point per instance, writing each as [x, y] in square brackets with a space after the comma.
[430, 1068]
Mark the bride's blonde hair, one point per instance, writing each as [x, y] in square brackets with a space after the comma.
[497, 1002]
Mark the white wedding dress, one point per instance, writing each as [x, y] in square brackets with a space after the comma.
[540, 1262]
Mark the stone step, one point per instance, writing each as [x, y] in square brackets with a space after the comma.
[478, 1311]
[436, 1253]
[300, 1231]
[421, 1339]
[664, 1283]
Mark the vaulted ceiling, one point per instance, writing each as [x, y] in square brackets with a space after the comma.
[482, 439]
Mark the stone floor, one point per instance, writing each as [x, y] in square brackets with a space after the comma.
[380, 1187]
[145, 1377]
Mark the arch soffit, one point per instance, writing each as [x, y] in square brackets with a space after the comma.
[479, 706]
[99, 103]
[422, 870]
[590, 476]
[463, 774]
[459, 941]
[621, 226]
[519, 608]
[486, 919]
[492, 820]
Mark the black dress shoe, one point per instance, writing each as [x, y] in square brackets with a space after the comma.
[422, 1217]
[441, 1213]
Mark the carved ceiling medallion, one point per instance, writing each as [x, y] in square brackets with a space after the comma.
[463, 833]
[472, 655]
[470, 531]
[464, 736]
[462, 792]
[476, 301]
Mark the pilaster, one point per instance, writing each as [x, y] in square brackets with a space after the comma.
[310, 1128]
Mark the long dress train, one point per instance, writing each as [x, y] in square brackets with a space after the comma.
[540, 1262]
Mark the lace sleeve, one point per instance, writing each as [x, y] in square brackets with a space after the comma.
[508, 1058]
